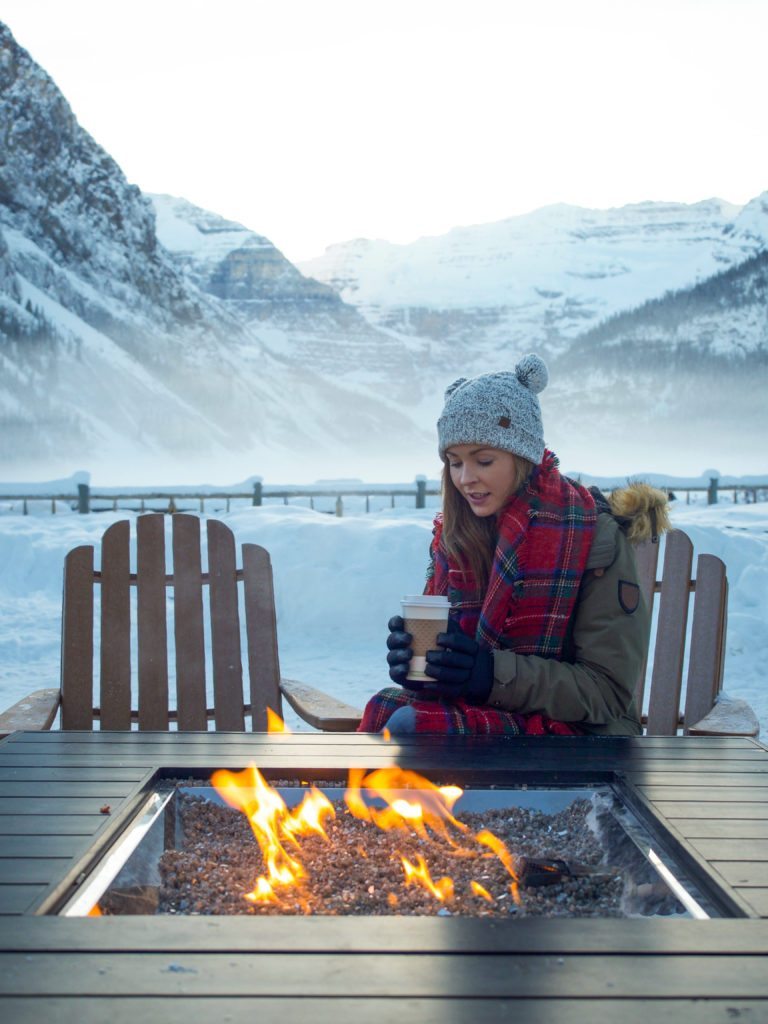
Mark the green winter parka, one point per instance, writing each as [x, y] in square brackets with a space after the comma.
[593, 685]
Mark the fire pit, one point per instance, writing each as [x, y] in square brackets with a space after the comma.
[390, 843]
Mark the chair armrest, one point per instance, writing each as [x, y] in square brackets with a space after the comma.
[730, 716]
[320, 709]
[36, 711]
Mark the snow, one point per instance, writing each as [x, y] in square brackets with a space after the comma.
[605, 259]
[185, 228]
[337, 581]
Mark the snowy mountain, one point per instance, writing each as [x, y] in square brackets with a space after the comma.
[684, 372]
[297, 317]
[109, 347]
[140, 330]
[539, 280]
[653, 317]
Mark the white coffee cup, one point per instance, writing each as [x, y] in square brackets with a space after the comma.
[425, 616]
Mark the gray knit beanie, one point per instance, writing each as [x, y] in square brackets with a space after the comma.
[500, 410]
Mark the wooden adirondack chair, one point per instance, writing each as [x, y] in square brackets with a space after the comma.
[707, 710]
[184, 586]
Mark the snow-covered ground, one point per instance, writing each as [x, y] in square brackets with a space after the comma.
[337, 581]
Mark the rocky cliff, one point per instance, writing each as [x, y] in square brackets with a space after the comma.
[110, 343]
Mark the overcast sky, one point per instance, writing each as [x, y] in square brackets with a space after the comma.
[317, 121]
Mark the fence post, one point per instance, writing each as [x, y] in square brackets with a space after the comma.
[257, 492]
[339, 507]
[421, 492]
[83, 499]
[712, 491]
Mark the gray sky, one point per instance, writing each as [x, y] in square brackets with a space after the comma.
[316, 121]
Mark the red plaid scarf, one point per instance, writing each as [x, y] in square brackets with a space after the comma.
[545, 533]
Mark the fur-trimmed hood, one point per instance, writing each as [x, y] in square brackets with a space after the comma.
[642, 511]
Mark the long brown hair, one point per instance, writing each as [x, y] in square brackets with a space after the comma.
[470, 540]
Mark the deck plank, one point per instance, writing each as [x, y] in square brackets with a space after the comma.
[55, 845]
[748, 791]
[408, 975]
[16, 899]
[757, 898]
[682, 809]
[58, 773]
[32, 870]
[177, 934]
[51, 824]
[19, 806]
[27, 789]
[716, 828]
[246, 1010]
[741, 873]
[732, 849]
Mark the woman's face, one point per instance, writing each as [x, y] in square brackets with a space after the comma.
[484, 477]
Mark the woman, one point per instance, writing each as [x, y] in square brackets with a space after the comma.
[548, 629]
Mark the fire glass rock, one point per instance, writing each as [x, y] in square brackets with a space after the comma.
[358, 869]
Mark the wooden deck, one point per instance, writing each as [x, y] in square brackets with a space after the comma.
[711, 792]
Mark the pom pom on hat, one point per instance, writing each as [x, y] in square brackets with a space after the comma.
[499, 410]
[532, 373]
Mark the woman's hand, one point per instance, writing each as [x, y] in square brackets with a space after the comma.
[399, 653]
[461, 668]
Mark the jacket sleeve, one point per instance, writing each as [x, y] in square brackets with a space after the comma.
[609, 646]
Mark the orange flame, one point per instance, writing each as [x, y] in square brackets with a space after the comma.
[442, 889]
[273, 825]
[480, 890]
[499, 848]
[391, 798]
[430, 808]
[275, 722]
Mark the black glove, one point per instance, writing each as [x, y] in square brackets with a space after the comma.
[400, 653]
[462, 669]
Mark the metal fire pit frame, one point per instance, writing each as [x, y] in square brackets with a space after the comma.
[65, 795]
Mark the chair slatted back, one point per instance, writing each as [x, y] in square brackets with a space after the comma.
[153, 586]
[261, 634]
[225, 628]
[188, 626]
[707, 635]
[77, 640]
[152, 623]
[647, 556]
[115, 648]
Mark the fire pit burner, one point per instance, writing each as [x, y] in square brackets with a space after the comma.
[576, 852]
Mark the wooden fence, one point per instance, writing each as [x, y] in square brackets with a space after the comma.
[87, 500]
